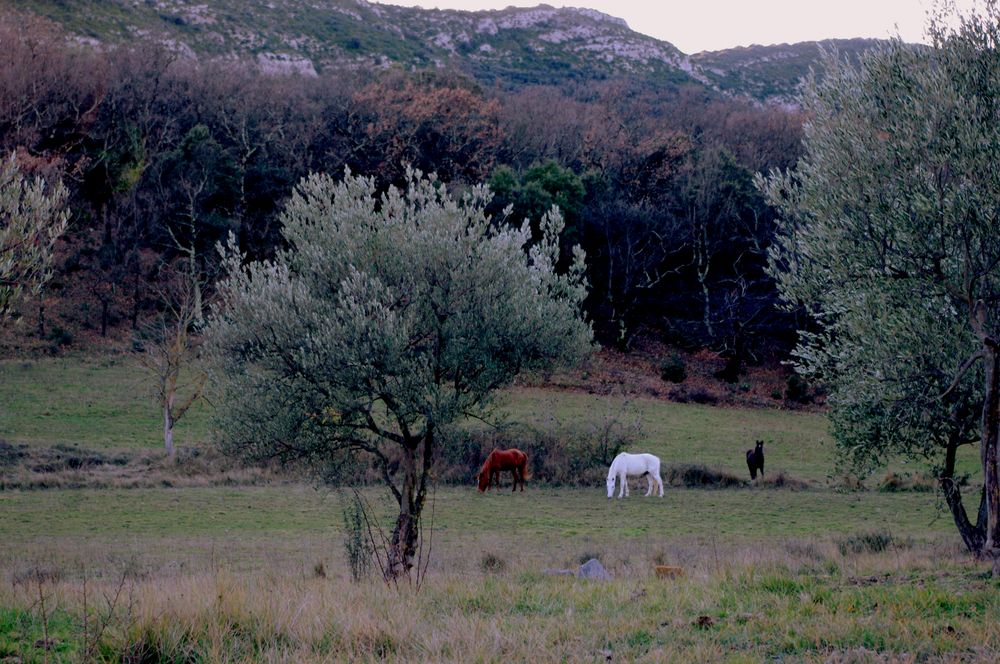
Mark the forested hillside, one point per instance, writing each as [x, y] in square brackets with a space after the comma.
[167, 149]
[511, 48]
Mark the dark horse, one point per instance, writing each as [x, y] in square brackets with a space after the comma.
[513, 460]
[755, 460]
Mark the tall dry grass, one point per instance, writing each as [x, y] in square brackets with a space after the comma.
[796, 600]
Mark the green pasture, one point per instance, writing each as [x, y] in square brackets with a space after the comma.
[95, 403]
[686, 514]
[105, 404]
[545, 525]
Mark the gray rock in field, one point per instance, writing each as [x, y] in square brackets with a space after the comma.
[593, 569]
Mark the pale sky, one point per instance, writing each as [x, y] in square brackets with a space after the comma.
[709, 25]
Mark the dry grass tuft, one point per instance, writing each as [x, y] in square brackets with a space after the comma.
[781, 480]
[701, 476]
[896, 481]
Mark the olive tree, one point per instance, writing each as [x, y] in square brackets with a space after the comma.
[385, 317]
[888, 235]
[32, 217]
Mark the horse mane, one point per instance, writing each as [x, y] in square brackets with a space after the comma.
[486, 462]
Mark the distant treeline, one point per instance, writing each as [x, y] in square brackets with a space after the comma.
[165, 156]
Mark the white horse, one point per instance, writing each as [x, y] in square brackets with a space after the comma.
[626, 464]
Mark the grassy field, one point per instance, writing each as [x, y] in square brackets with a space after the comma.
[571, 521]
[95, 403]
[259, 573]
[104, 404]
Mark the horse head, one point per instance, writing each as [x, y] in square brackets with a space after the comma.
[612, 475]
[483, 477]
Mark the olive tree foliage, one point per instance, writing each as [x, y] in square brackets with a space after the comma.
[888, 234]
[386, 317]
[32, 217]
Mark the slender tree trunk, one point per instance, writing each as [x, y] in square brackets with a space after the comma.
[974, 536]
[707, 306]
[104, 317]
[989, 441]
[703, 265]
[41, 321]
[135, 300]
[168, 427]
[199, 318]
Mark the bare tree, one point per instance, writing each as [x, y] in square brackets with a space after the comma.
[170, 355]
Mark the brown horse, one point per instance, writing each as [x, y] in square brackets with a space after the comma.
[513, 460]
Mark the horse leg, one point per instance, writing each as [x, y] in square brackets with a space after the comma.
[624, 489]
[659, 482]
[520, 472]
[649, 484]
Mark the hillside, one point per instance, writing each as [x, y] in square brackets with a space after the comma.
[513, 46]
[516, 46]
[771, 72]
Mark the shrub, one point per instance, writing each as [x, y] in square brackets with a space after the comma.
[848, 483]
[893, 482]
[672, 369]
[873, 542]
[697, 395]
[780, 480]
[804, 549]
[59, 336]
[9, 454]
[491, 563]
[797, 389]
[697, 475]
[356, 540]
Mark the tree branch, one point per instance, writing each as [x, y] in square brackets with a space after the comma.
[962, 370]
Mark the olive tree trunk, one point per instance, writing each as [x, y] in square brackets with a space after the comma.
[418, 455]
[989, 440]
[973, 535]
